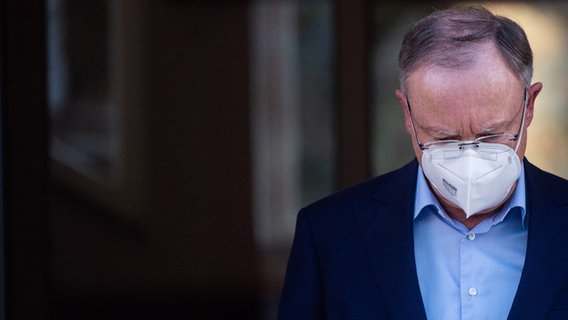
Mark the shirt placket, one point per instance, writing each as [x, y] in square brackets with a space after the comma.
[469, 287]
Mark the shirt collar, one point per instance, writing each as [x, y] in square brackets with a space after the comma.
[425, 197]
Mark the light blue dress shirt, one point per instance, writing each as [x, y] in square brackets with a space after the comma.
[469, 274]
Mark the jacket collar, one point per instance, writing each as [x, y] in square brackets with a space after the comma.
[387, 229]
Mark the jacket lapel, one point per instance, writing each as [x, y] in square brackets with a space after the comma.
[386, 224]
[546, 262]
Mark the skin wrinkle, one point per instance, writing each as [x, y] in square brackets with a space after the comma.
[507, 126]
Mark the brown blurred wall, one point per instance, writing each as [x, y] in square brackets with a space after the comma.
[191, 252]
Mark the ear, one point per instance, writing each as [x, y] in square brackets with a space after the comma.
[534, 90]
[404, 104]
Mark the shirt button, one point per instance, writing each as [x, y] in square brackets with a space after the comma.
[472, 292]
[471, 236]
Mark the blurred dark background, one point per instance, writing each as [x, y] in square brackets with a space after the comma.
[129, 159]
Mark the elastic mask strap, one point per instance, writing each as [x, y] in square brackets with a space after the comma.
[420, 145]
[525, 102]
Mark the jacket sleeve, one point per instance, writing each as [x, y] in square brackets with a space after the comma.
[301, 297]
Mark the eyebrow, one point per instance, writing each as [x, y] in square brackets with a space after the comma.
[502, 124]
[434, 131]
[447, 133]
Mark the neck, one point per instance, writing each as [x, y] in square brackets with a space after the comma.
[459, 215]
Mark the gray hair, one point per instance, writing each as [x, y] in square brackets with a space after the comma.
[449, 39]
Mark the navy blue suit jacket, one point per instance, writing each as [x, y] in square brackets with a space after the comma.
[353, 255]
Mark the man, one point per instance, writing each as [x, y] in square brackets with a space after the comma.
[469, 230]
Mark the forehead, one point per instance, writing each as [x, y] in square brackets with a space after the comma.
[486, 70]
[480, 96]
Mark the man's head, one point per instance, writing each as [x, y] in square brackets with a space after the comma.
[450, 38]
[465, 74]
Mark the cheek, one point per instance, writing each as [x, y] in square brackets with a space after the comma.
[522, 146]
[408, 124]
[417, 151]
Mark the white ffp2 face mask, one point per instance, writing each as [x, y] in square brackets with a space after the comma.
[474, 176]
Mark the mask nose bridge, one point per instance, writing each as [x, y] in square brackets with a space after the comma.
[468, 144]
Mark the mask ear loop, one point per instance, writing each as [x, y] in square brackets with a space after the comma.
[522, 129]
[420, 145]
